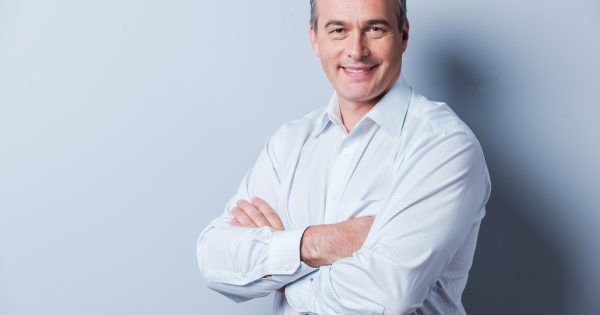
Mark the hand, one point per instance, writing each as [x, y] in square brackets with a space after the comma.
[257, 213]
[325, 244]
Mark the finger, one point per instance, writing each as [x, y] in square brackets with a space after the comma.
[242, 217]
[252, 212]
[235, 222]
[269, 213]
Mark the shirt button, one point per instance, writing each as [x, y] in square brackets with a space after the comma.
[346, 151]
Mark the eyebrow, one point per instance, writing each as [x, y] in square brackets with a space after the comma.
[334, 22]
[369, 22]
[379, 22]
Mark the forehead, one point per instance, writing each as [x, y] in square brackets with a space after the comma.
[356, 10]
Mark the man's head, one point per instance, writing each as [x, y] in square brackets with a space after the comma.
[360, 44]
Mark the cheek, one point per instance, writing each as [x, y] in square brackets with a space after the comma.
[330, 63]
[389, 53]
[330, 54]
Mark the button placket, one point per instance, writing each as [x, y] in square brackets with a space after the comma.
[356, 143]
[346, 151]
[335, 183]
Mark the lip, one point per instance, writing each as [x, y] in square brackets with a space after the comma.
[358, 72]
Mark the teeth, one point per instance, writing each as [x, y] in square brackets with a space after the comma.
[356, 71]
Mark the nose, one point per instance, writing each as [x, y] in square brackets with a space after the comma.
[357, 48]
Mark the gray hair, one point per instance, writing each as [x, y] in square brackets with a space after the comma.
[400, 14]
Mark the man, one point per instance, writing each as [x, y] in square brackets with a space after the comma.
[370, 205]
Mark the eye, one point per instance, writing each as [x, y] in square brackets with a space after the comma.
[338, 30]
[376, 31]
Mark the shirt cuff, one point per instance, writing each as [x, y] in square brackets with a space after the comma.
[284, 252]
[298, 294]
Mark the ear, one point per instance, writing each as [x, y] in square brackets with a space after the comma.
[404, 34]
[314, 42]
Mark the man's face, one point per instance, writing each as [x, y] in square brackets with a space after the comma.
[360, 46]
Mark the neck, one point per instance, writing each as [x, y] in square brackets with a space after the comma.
[353, 112]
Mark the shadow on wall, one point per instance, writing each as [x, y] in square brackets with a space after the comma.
[516, 270]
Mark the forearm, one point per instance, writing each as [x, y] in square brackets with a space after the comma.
[251, 261]
[415, 237]
[261, 287]
[237, 261]
[324, 244]
[373, 281]
[317, 247]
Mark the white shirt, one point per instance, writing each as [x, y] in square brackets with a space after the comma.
[410, 162]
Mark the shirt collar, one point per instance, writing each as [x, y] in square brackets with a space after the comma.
[331, 114]
[388, 113]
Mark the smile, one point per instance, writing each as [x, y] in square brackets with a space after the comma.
[358, 72]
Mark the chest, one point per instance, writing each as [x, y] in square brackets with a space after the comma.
[336, 178]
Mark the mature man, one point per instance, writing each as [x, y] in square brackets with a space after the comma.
[370, 205]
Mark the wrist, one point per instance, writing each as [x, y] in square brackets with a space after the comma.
[309, 254]
[321, 245]
[324, 244]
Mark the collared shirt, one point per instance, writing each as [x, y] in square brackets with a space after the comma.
[410, 162]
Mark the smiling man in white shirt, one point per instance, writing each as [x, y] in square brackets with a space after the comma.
[370, 205]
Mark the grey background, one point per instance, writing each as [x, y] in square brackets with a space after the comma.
[126, 125]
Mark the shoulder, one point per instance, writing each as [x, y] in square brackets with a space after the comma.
[291, 135]
[432, 128]
[435, 138]
[428, 120]
[301, 127]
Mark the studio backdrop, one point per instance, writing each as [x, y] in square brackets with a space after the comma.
[126, 125]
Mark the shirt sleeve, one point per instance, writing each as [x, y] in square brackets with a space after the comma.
[245, 263]
[438, 198]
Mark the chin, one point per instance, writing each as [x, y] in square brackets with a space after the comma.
[357, 95]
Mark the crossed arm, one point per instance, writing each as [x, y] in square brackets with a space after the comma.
[320, 244]
[363, 265]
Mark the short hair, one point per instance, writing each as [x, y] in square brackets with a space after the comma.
[400, 14]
